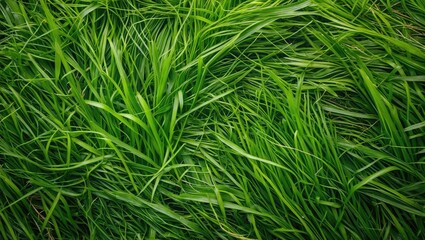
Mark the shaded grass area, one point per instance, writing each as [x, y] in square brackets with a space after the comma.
[212, 119]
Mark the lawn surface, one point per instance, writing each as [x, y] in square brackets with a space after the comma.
[219, 119]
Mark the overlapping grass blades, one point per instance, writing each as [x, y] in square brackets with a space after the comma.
[212, 119]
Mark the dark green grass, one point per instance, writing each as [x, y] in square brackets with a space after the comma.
[212, 119]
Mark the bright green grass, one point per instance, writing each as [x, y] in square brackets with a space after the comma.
[220, 119]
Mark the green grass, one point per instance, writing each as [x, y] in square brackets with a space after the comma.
[221, 119]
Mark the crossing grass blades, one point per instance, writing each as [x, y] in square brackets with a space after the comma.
[221, 119]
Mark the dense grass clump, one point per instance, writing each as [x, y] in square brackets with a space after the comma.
[221, 119]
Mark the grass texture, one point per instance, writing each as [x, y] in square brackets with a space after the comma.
[219, 119]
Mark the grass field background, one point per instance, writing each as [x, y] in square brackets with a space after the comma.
[219, 119]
